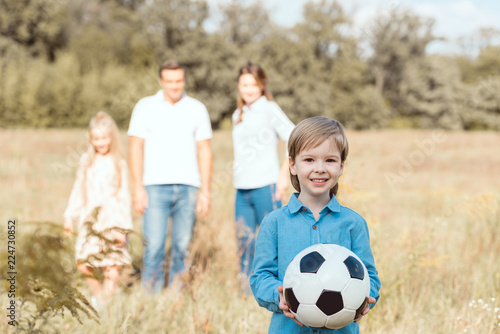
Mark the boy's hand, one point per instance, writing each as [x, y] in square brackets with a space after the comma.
[284, 307]
[371, 300]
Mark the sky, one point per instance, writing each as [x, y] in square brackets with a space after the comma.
[454, 18]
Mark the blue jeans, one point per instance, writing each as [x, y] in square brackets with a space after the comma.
[251, 206]
[167, 200]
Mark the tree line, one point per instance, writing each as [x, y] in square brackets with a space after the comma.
[63, 60]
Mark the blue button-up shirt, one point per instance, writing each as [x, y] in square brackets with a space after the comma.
[287, 231]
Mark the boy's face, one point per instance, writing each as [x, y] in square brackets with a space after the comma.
[318, 170]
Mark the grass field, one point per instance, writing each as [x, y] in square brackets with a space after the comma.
[431, 199]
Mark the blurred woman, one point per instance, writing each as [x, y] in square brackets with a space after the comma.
[258, 124]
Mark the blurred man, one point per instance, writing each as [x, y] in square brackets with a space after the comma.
[171, 167]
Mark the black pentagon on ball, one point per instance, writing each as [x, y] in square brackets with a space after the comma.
[311, 262]
[291, 300]
[354, 267]
[330, 302]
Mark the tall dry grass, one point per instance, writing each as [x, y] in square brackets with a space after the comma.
[431, 200]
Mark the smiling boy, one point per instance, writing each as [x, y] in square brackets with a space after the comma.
[317, 151]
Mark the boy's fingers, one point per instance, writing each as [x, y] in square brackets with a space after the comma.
[298, 322]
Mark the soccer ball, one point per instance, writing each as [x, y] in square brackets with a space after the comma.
[326, 286]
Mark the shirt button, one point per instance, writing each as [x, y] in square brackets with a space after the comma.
[314, 227]
[304, 209]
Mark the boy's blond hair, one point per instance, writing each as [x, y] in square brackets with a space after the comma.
[309, 134]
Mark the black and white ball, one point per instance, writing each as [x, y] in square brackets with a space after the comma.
[326, 286]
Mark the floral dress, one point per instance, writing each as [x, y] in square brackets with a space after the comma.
[100, 210]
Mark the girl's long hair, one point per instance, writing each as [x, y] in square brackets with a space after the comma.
[260, 76]
[104, 122]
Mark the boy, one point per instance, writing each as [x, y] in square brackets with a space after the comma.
[317, 151]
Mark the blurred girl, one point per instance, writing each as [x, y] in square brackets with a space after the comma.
[100, 204]
[260, 184]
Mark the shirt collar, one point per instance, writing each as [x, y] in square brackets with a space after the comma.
[255, 104]
[294, 205]
[159, 95]
[333, 205]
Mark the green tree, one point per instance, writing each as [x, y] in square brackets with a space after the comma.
[397, 37]
[296, 78]
[467, 69]
[244, 24]
[488, 62]
[108, 33]
[481, 39]
[321, 28]
[434, 93]
[38, 25]
[356, 101]
[211, 65]
[481, 110]
[171, 23]
[480, 56]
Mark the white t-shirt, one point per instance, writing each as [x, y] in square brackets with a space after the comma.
[255, 143]
[170, 133]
